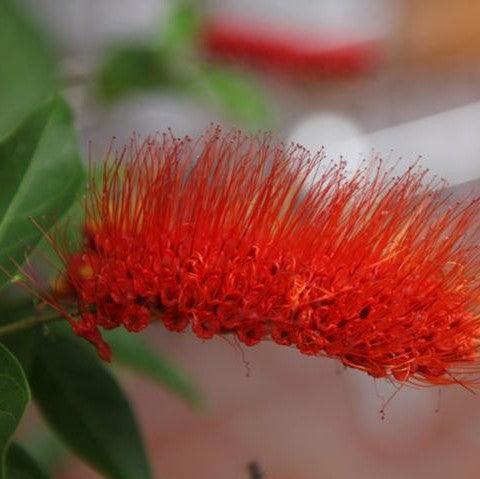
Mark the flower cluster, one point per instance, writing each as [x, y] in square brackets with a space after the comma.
[241, 236]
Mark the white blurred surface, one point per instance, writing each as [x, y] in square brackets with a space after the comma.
[145, 114]
[447, 143]
[85, 26]
[360, 19]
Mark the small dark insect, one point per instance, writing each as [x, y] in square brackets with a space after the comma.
[255, 471]
[364, 312]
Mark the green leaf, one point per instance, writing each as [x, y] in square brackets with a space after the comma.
[27, 66]
[85, 406]
[132, 351]
[22, 344]
[236, 93]
[20, 465]
[47, 449]
[181, 28]
[14, 397]
[40, 173]
[132, 68]
[12, 310]
[159, 63]
[70, 227]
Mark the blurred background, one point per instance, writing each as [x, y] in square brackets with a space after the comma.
[399, 78]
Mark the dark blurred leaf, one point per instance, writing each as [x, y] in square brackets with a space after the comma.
[236, 93]
[20, 465]
[132, 351]
[26, 68]
[40, 173]
[13, 310]
[14, 398]
[132, 68]
[23, 344]
[84, 404]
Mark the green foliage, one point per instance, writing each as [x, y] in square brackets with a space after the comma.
[86, 407]
[181, 28]
[22, 344]
[27, 76]
[130, 68]
[20, 465]
[132, 351]
[41, 172]
[152, 64]
[234, 93]
[171, 60]
[47, 449]
[14, 397]
[12, 310]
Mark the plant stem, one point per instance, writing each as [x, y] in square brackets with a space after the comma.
[254, 470]
[27, 323]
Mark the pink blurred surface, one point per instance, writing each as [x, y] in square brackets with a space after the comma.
[298, 417]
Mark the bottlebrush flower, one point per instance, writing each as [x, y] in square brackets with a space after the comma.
[234, 235]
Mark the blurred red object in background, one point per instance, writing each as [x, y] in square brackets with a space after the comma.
[289, 50]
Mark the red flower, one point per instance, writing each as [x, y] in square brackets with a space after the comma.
[225, 235]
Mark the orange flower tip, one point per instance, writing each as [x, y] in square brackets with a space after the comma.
[85, 271]
[61, 288]
[228, 235]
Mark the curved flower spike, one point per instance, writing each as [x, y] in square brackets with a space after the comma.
[234, 235]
